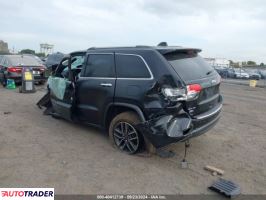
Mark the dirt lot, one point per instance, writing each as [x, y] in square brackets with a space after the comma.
[40, 151]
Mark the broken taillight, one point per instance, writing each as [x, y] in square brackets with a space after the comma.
[180, 94]
[174, 94]
[14, 69]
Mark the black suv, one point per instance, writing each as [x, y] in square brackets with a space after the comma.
[156, 95]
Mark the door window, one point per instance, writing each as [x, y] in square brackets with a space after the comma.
[76, 65]
[131, 66]
[77, 61]
[62, 69]
[100, 65]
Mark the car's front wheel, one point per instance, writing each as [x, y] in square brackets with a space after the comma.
[123, 134]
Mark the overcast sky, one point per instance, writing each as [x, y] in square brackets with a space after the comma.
[233, 29]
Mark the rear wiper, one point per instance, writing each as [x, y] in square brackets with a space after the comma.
[209, 72]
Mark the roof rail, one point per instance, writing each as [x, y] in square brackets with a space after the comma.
[142, 46]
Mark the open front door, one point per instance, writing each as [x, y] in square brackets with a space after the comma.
[61, 93]
[63, 85]
[62, 90]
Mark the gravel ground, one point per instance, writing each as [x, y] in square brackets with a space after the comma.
[40, 151]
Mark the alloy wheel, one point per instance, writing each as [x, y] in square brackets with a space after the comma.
[126, 137]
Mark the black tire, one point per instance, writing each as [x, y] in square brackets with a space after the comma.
[123, 134]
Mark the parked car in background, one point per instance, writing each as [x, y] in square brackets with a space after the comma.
[241, 73]
[262, 73]
[1, 57]
[11, 68]
[231, 73]
[36, 58]
[223, 72]
[237, 73]
[253, 74]
[53, 59]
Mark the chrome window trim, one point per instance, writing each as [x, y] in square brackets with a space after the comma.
[121, 54]
[145, 63]
[100, 53]
[87, 78]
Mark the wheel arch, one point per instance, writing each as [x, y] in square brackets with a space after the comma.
[114, 109]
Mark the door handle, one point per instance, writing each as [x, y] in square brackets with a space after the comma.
[106, 84]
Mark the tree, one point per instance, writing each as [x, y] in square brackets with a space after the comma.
[251, 62]
[261, 64]
[40, 54]
[236, 64]
[27, 51]
[4, 53]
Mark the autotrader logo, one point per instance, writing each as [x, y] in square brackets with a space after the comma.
[26, 193]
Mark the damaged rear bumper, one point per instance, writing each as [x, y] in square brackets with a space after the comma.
[169, 129]
[204, 124]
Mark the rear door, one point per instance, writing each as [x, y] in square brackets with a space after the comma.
[134, 79]
[96, 87]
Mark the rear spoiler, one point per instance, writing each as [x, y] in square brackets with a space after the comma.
[165, 51]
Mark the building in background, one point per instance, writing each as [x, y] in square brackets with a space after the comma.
[46, 48]
[3, 47]
[218, 62]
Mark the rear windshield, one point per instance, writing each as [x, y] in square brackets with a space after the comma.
[189, 66]
[18, 60]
